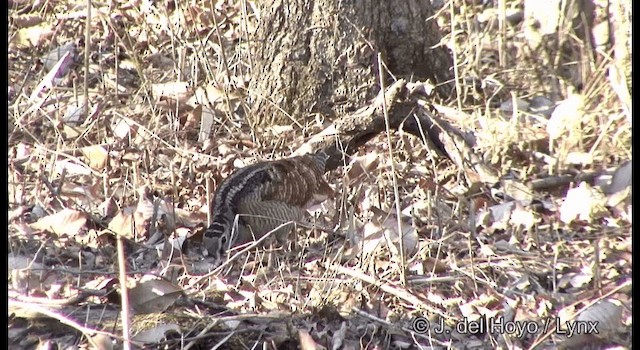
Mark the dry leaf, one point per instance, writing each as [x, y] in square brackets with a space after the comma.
[583, 203]
[497, 216]
[541, 105]
[382, 231]
[97, 156]
[338, 337]
[71, 167]
[306, 342]
[17, 212]
[99, 341]
[619, 85]
[153, 294]
[599, 321]
[32, 36]
[157, 333]
[26, 274]
[51, 79]
[567, 115]
[133, 222]
[173, 245]
[579, 158]
[507, 106]
[362, 166]
[206, 123]
[576, 279]
[523, 216]
[621, 179]
[605, 315]
[214, 97]
[65, 222]
[124, 128]
[121, 223]
[178, 90]
[409, 239]
[86, 196]
[506, 247]
[74, 114]
[26, 20]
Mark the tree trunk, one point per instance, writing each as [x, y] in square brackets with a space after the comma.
[321, 56]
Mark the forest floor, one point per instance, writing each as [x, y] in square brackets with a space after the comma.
[115, 192]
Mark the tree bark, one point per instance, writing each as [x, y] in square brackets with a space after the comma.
[320, 56]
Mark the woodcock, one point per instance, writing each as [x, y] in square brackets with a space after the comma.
[264, 196]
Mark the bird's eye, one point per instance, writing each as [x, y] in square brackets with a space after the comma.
[223, 239]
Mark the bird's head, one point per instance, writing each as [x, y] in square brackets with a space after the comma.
[221, 235]
[216, 240]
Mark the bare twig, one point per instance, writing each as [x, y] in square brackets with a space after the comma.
[396, 194]
[126, 316]
[32, 309]
[400, 293]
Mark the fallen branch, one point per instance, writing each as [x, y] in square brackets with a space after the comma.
[348, 133]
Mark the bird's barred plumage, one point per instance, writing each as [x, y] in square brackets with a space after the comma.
[263, 196]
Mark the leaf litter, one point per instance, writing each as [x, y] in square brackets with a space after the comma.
[147, 172]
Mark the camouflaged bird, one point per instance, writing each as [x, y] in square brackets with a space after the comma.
[259, 198]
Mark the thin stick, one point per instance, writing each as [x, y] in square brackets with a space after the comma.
[87, 56]
[385, 287]
[32, 308]
[456, 73]
[502, 37]
[224, 60]
[396, 194]
[248, 247]
[245, 21]
[126, 324]
[552, 330]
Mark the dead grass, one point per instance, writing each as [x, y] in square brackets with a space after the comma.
[140, 165]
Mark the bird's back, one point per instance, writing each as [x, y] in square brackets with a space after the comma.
[264, 195]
